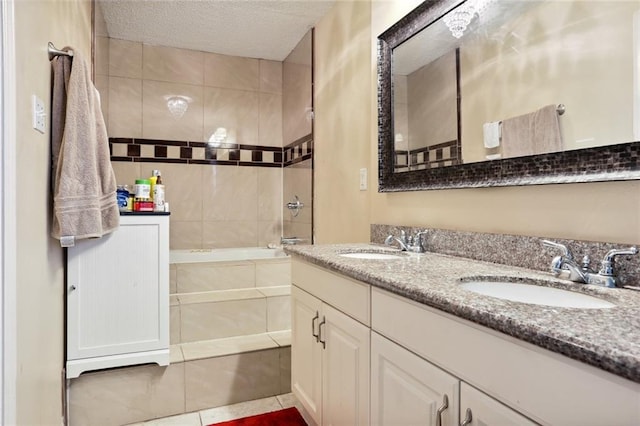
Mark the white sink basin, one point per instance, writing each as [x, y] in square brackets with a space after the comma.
[371, 256]
[536, 295]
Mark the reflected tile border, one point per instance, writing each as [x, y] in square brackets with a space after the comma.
[189, 152]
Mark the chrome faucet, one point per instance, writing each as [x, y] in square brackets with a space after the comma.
[564, 266]
[413, 243]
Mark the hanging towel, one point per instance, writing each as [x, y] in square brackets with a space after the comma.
[84, 184]
[534, 133]
[546, 130]
[491, 133]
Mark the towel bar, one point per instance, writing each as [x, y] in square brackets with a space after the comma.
[53, 52]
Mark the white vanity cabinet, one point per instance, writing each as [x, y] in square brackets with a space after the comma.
[118, 297]
[503, 380]
[419, 355]
[407, 390]
[330, 340]
[478, 409]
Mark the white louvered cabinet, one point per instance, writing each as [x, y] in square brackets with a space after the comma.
[118, 297]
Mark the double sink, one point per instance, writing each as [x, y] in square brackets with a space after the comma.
[516, 290]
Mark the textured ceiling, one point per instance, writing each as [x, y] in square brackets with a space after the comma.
[266, 29]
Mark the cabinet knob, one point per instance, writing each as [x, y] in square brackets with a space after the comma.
[72, 288]
[467, 418]
[444, 406]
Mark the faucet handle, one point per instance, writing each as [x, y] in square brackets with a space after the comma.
[607, 267]
[419, 241]
[564, 249]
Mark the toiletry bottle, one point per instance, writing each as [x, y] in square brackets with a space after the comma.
[142, 201]
[158, 194]
[153, 180]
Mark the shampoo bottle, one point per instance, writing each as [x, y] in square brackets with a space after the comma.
[158, 193]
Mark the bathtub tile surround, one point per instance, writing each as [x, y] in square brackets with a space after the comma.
[213, 381]
[224, 206]
[135, 394]
[230, 335]
[297, 181]
[117, 397]
[249, 98]
[514, 250]
[219, 299]
[189, 152]
[217, 207]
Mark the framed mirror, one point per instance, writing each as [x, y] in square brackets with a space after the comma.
[484, 93]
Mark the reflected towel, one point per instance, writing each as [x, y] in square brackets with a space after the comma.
[534, 133]
[491, 133]
[84, 184]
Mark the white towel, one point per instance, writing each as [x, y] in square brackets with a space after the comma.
[491, 133]
[84, 198]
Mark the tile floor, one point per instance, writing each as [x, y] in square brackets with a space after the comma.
[229, 412]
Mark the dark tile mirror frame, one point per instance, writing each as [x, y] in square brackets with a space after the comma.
[605, 163]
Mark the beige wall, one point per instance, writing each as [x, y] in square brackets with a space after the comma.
[40, 289]
[597, 211]
[343, 139]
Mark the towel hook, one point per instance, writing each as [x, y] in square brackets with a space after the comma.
[53, 52]
[560, 109]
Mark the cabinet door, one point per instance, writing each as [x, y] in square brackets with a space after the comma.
[345, 369]
[118, 292]
[479, 409]
[306, 361]
[407, 390]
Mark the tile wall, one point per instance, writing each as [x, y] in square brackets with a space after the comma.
[297, 126]
[297, 181]
[214, 203]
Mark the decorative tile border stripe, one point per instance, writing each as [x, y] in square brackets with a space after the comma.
[440, 155]
[187, 152]
[298, 151]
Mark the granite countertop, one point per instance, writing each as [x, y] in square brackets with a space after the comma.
[608, 339]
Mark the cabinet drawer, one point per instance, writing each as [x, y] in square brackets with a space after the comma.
[347, 295]
[546, 387]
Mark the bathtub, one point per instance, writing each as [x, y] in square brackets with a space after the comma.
[224, 254]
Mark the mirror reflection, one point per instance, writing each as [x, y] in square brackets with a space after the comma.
[505, 79]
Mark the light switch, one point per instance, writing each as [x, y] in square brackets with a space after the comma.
[363, 179]
[38, 113]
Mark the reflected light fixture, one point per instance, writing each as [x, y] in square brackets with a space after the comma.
[459, 19]
[218, 137]
[177, 105]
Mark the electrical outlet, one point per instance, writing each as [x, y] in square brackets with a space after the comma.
[363, 179]
[38, 113]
